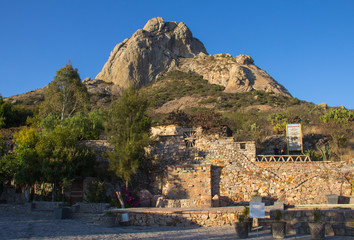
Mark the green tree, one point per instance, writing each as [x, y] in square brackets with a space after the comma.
[2, 145]
[65, 95]
[128, 128]
[22, 165]
[12, 116]
[54, 157]
[86, 126]
[63, 158]
[9, 166]
[28, 170]
[5, 108]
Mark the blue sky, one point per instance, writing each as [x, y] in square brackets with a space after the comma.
[306, 45]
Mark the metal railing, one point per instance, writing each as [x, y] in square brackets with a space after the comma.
[283, 158]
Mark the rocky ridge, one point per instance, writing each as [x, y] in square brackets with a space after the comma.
[237, 74]
[164, 46]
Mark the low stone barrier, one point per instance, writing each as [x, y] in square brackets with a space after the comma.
[338, 221]
[205, 218]
[45, 205]
[90, 207]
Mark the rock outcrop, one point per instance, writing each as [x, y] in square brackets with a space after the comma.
[237, 74]
[163, 46]
[150, 52]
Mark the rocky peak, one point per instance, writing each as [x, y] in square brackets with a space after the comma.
[149, 52]
[163, 46]
[244, 59]
[155, 24]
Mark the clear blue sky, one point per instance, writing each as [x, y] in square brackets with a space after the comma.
[306, 45]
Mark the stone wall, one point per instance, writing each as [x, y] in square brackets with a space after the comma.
[234, 175]
[189, 182]
[291, 182]
[206, 218]
[337, 221]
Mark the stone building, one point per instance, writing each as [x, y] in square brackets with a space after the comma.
[199, 169]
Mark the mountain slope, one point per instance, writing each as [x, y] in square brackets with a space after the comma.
[164, 46]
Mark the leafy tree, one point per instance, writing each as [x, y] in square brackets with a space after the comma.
[52, 157]
[62, 158]
[128, 127]
[11, 116]
[28, 169]
[65, 95]
[5, 108]
[86, 126]
[83, 126]
[8, 167]
[22, 165]
[2, 145]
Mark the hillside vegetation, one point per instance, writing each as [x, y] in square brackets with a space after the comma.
[257, 115]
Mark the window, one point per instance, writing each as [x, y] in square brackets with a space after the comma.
[243, 146]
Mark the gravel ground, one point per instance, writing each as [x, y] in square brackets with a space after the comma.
[16, 226]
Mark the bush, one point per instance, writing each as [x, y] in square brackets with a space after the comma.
[130, 198]
[11, 116]
[96, 192]
[178, 117]
[243, 216]
[338, 116]
[177, 84]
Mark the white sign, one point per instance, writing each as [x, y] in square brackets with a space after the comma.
[294, 137]
[257, 210]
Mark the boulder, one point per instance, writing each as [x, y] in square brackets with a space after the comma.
[145, 198]
[244, 59]
[323, 105]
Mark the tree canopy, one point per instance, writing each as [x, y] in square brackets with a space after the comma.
[48, 157]
[65, 95]
[12, 116]
[128, 128]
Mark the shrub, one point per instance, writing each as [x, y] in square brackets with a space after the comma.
[96, 192]
[12, 116]
[338, 116]
[277, 215]
[313, 155]
[129, 197]
[178, 117]
[177, 84]
[280, 128]
[243, 216]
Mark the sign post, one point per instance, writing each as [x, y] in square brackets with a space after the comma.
[294, 137]
[257, 210]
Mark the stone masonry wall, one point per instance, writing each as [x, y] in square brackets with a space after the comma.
[234, 174]
[337, 221]
[291, 182]
[189, 182]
